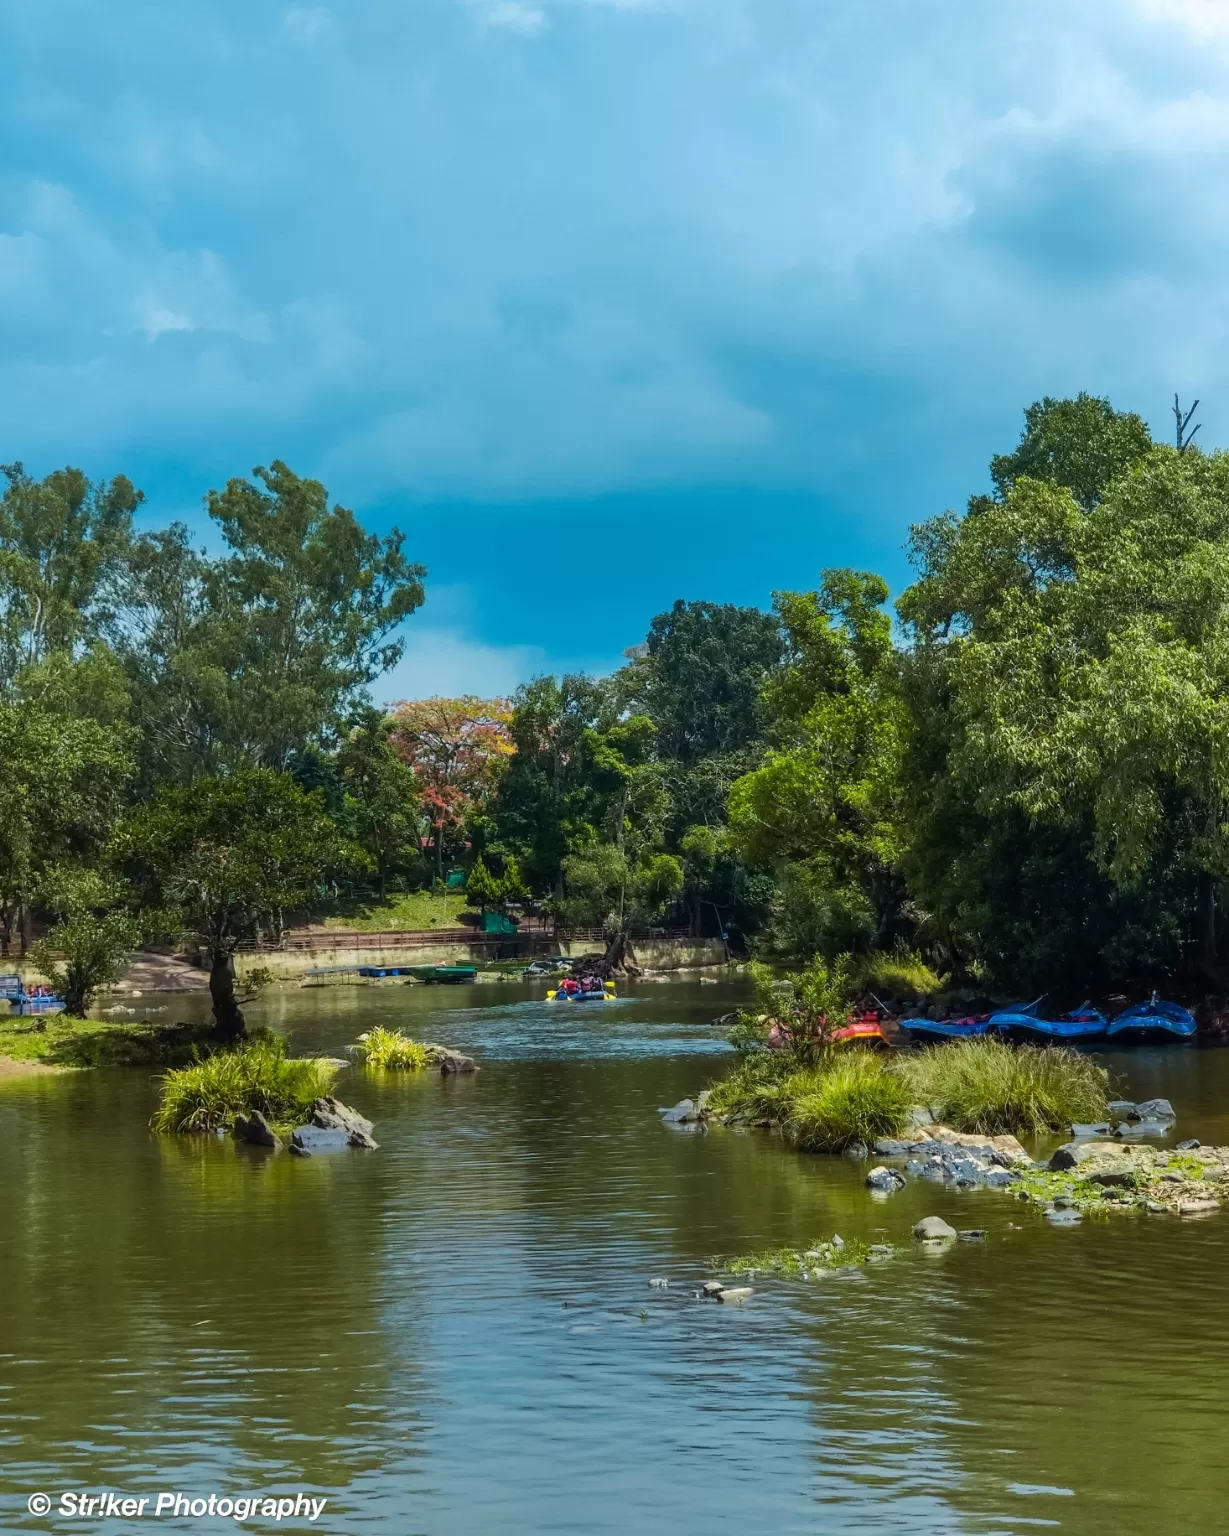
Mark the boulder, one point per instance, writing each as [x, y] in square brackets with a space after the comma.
[450, 1061]
[1192, 1145]
[329, 1114]
[1199, 1206]
[933, 1229]
[934, 1168]
[298, 1151]
[857, 1151]
[311, 1138]
[255, 1130]
[972, 1235]
[713, 1287]
[1120, 1107]
[999, 1178]
[681, 1114]
[886, 1146]
[1145, 1128]
[1155, 1109]
[1008, 1148]
[1100, 1129]
[886, 1180]
[919, 1114]
[735, 1293]
[1064, 1217]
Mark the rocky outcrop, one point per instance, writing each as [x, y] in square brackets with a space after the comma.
[885, 1180]
[333, 1125]
[450, 1061]
[255, 1131]
[933, 1229]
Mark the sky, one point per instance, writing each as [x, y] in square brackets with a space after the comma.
[603, 302]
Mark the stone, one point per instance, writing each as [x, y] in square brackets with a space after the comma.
[837, 1241]
[914, 1166]
[972, 1235]
[1006, 1146]
[255, 1130]
[314, 1139]
[1064, 1217]
[298, 1151]
[329, 1114]
[1157, 1208]
[933, 1229]
[736, 1294]
[885, 1180]
[918, 1114]
[1101, 1129]
[935, 1168]
[713, 1287]
[659, 1282]
[1200, 1206]
[450, 1061]
[1189, 1146]
[681, 1113]
[857, 1151]
[999, 1178]
[887, 1147]
[1122, 1177]
[1155, 1109]
[1120, 1107]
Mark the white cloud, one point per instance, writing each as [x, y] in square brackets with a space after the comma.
[447, 662]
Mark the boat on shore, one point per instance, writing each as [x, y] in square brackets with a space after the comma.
[862, 1029]
[925, 1031]
[455, 975]
[1027, 1025]
[1152, 1023]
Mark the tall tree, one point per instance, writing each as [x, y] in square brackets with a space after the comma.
[382, 798]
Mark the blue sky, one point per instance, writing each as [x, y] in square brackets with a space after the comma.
[697, 296]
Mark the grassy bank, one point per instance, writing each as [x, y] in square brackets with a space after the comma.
[257, 1075]
[846, 1094]
[408, 911]
[55, 1040]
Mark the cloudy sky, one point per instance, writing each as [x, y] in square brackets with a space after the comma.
[680, 297]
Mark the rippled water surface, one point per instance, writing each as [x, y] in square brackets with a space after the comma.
[455, 1334]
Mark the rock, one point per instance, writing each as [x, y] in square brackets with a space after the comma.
[682, 1112]
[329, 1114]
[1100, 1129]
[313, 1139]
[935, 1168]
[1157, 1208]
[713, 1287]
[919, 1114]
[914, 1166]
[886, 1180]
[999, 1178]
[255, 1130]
[1072, 1153]
[736, 1294]
[1006, 1147]
[450, 1061]
[837, 1241]
[1122, 1177]
[1064, 1217]
[298, 1151]
[1155, 1109]
[1200, 1206]
[659, 1283]
[972, 1235]
[1120, 1107]
[933, 1229]
[887, 1147]
[857, 1151]
[1189, 1146]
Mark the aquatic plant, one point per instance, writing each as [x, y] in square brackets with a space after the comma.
[850, 1095]
[380, 1047]
[833, 1254]
[256, 1075]
[989, 1086]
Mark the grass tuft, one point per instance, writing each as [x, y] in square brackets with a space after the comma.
[991, 1086]
[790, 1261]
[894, 973]
[389, 1048]
[850, 1095]
[257, 1075]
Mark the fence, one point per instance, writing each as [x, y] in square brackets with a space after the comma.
[422, 938]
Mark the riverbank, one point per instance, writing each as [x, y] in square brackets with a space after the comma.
[52, 1042]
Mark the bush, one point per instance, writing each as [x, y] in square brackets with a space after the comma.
[989, 1086]
[382, 1047]
[896, 973]
[849, 1096]
[256, 1075]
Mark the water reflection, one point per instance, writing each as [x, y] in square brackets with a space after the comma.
[456, 1333]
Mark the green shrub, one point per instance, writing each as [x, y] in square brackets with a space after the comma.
[895, 973]
[754, 1089]
[990, 1086]
[256, 1075]
[850, 1095]
[382, 1047]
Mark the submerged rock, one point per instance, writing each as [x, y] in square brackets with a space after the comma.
[972, 1234]
[735, 1293]
[933, 1229]
[683, 1111]
[857, 1151]
[1100, 1129]
[255, 1130]
[312, 1138]
[886, 1180]
[450, 1061]
[713, 1287]
[659, 1282]
[1064, 1216]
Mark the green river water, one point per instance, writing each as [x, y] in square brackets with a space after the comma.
[456, 1335]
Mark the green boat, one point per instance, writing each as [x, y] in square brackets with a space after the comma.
[453, 973]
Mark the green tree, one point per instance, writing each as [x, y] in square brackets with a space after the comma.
[381, 793]
[63, 542]
[90, 944]
[822, 812]
[1083, 445]
[482, 889]
[219, 859]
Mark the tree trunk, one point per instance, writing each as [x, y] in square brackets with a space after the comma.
[228, 1020]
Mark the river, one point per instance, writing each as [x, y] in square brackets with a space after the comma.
[456, 1334]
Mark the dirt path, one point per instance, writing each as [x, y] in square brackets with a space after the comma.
[11, 1068]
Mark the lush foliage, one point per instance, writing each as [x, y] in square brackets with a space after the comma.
[990, 1086]
[390, 1049]
[256, 1075]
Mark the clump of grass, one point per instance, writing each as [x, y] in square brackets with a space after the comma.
[835, 1254]
[754, 1089]
[256, 1075]
[850, 1095]
[389, 1048]
[895, 973]
[990, 1086]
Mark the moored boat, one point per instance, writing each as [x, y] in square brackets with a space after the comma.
[863, 1029]
[445, 973]
[1026, 1024]
[927, 1030]
[1152, 1023]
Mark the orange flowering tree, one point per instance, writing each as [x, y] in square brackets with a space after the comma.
[457, 749]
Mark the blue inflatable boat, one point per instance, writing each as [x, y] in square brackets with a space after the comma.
[926, 1031]
[1153, 1023]
[1026, 1024]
